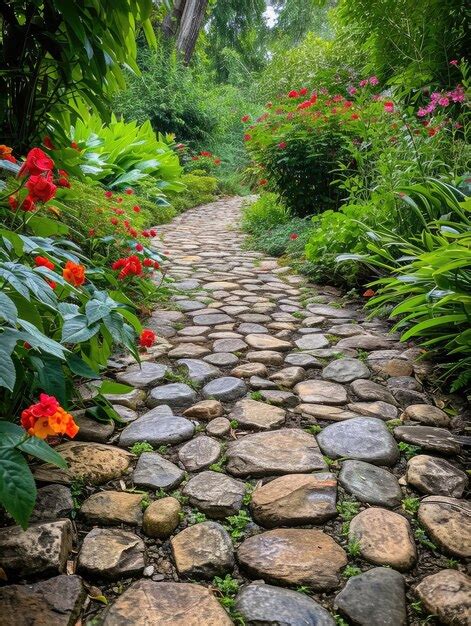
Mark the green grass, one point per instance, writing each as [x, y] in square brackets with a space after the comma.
[408, 450]
[145, 501]
[196, 517]
[315, 429]
[347, 509]
[353, 548]
[234, 424]
[236, 524]
[392, 424]
[422, 537]
[350, 571]
[256, 395]
[249, 489]
[140, 447]
[219, 466]
[411, 505]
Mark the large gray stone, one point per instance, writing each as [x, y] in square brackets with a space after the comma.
[215, 494]
[370, 391]
[361, 438]
[226, 388]
[429, 438]
[175, 395]
[52, 502]
[447, 595]
[41, 549]
[312, 342]
[257, 415]
[199, 371]
[273, 606]
[284, 451]
[111, 554]
[345, 370]
[174, 604]
[370, 484]
[157, 430]
[378, 588]
[435, 476]
[53, 602]
[153, 471]
[144, 375]
[199, 453]
[203, 551]
[321, 392]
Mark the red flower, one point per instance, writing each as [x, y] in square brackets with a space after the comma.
[129, 191]
[148, 262]
[136, 208]
[48, 143]
[205, 153]
[119, 211]
[145, 233]
[128, 265]
[245, 118]
[63, 182]
[157, 264]
[13, 202]
[369, 293]
[139, 247]
[8, 157]
[263, 182]
[37, 162]
[52, 284]
[119, 200]
[74, 273]
[63, 173]
[28, 204]
[108, 194]
[91, 232]
[293, 236]
[75, 145]
[354, 116]
[389, 106]
[282, 145]
[303, 91]
[41, 187]
[153, 232]
[247, 137]
[431, 132]
[217, 161]
[41, 261]
[195, 158]
[147, 338]
[114, 221]
[133, 232]
[454, 62]
[293, 94]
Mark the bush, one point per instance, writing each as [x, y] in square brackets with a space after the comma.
[265, 213]
[200, 189]
[426, 279]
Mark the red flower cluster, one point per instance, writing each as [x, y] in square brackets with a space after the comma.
[47, 417]
[128, 265]
[40, 184]
[149, 233]
[147, 338]
[41, 187]
[41, 261]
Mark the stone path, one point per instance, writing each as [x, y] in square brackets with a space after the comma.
[292, 449]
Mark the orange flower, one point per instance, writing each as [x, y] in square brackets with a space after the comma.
[4, 150]
[74, 273]
[46, 418]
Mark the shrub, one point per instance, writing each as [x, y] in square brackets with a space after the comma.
[265, 213]
[427, 281]
[200, 189]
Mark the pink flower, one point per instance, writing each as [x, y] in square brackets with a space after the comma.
[282, 145]
[454, 62]
[444, 101]
[422, 112]
[363, 83]
[373, 80]
[389, 106]
[352, 91]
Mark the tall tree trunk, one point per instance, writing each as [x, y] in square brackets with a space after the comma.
[190, 25]
[173, 18]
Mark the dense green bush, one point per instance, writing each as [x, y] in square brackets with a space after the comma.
[200, 189]
[425, 281]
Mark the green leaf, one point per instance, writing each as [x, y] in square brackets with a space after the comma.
[51, 377]
[10, 434]
[45, 226]
[79, 367]
[96, 309]
[41, 450]
[76, 329]
[109, 386]
[17, 486]
[8, 310]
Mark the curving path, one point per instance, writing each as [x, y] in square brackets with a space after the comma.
[295, 467]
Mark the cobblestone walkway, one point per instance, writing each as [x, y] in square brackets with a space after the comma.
[285, 460]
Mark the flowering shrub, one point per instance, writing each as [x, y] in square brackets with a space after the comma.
[317, 149]
[47, 418]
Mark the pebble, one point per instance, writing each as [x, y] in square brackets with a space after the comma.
[428, 438]
[223, 359]
[370, 391]
[257, 415]
[426, 414]
[199, 453]
[246, 370]
[321, 392]
[174, 395]
[447, 595]
[153, 471]
[157, 430]
[312, 342]
[218, 427]
[267, 357]
[379, 409]
[144, 375]
[52, 502]
[345, 370]
[113, 507]
[302, 359]
[289, 376]
[267, 342]
[226, 388]
[205, 410]
[91, 430]
[161, 517]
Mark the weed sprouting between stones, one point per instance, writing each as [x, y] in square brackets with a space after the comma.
[347, 509]
[350, 571]
[140, 447]
[354, 548]
[315, 429]
[237, 524]
[219, 465]
[196, 517]
[411, 505]
[408, 450]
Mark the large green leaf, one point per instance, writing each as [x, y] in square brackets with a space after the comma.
[76, 329]
[41, 450]
[79, 367]
[8, 310]
[17, 486]
[45, 226]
